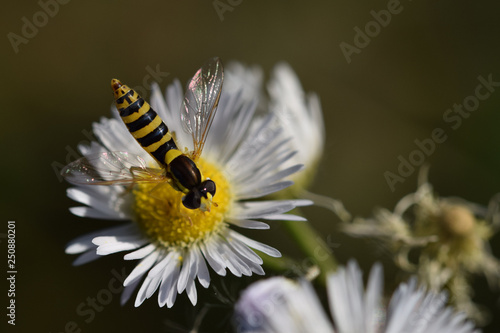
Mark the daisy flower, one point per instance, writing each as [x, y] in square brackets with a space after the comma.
[243, 154]
[281, 305]
[298, 112]
[447, 236]
[301, 112]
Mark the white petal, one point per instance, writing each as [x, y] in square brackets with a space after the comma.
[153, 285]
[171, 297]
[127, 292]
[285, 217]
[172, 286]
[161, 265]
[93, 148]
[174, 100]
[86, 257]
[191, 292]
[209, 254]
[186, 269]
[108, 200]
[202, 269]
[168, 286]
[222, 255]
[248, 224]
[270, 251]
[271, 162]
[259, 209]
[158, 103]
[373, 298]
[263, 191]
[253, 150]
[84, 243]
[115, 136]
[141, 294]
[105, 240]
[141, 268]
[281, 305]
[402, 306]
[254, 267]
[230, 133]
[245, 251]
[345, 289]
[141, 253]
[114, 247]
[275, 177]
[81, 244]
[92, 213]
[236, 262]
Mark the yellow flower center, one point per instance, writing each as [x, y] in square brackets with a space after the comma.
[160, 213]
[458, 220]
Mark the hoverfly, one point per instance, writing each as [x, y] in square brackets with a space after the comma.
[177, 168]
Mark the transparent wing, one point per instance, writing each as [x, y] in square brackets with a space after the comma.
[111, 168]
[200, 102]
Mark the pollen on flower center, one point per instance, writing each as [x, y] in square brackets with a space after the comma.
[458, 220]
[160, 213]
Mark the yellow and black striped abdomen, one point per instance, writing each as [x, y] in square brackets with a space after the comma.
[143, 122]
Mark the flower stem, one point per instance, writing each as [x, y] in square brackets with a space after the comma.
[280, 265]
[317, 251]
[335, 206]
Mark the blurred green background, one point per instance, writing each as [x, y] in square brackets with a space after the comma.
[395, 90]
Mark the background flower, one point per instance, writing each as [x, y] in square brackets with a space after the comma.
[449, 237]
[281, 305]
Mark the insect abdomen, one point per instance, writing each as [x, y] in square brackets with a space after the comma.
[185, 173]
[143, 122]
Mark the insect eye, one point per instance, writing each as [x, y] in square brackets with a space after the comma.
[208, 186]
[192, 200]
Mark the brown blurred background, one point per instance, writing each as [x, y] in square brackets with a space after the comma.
[395, 90]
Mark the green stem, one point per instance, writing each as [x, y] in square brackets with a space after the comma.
[313, 246]
[333, 205]
[282, 265]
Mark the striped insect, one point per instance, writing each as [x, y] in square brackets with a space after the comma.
[177, 168]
